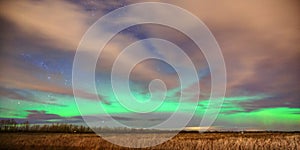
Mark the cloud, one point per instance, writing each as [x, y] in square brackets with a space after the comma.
[60, 30]
[60, 23]
[259, 44]
[24, 95]
[23, 78]
[41, 115]
[16, 77]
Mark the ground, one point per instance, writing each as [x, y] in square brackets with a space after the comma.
[187, 141]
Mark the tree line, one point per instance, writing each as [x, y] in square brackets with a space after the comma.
[10, 125]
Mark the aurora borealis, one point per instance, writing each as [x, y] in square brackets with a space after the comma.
[259, 42]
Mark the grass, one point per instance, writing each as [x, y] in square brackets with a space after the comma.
[181, 142]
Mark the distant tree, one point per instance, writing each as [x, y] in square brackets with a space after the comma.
[26, 125]
[1, 125]
[13, 125]
[35, 128]
[6, 125]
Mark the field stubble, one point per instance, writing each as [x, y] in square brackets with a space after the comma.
[183, 141]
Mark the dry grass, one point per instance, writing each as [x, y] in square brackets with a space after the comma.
[182, 141]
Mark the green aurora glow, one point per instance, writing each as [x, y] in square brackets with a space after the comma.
[230, 111]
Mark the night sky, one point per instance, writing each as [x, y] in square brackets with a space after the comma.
[259, 41]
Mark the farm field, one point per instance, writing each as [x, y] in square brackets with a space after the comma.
[248, 140]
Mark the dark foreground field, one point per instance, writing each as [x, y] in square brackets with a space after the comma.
[181, 141]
